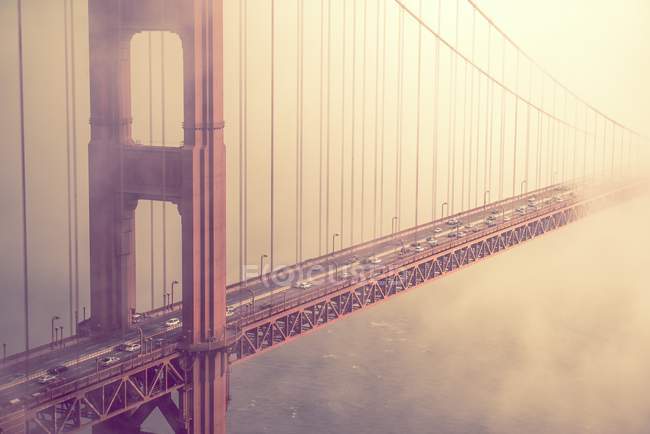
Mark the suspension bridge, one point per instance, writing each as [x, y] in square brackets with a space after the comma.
[332, 154]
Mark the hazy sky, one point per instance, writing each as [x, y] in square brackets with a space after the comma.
[599, 49]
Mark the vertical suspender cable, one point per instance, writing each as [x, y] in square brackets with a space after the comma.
[68, 168]
[75, 185]
[329, 114]
[354, 62]
[417, 128]
[462, 177]
[514, 157]
[564, 132]
[383, 120]
[320, 132]
[487, 161]
[299, 136]
[604, 146]
[151, 213]
[471, 114]
[272, 163]
[530, 98]
[575, 146]
[376, 136]
[343, 55]
[502, 145]
[243, 5]
[23, 182]
[436, 118]
[453, 92]
[164, 162]
[364, 76]
[400, 78]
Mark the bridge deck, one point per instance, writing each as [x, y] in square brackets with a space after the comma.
[281, 311]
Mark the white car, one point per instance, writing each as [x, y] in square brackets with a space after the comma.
[47, 378]
[521, 209]
[230, 311]
[303, 285]
[532, 199]
[372, 260]
[437, 230]
[131, 347]
[108, 361]
[507, 218]
[453, 222]
[432, 241]
[173, 322]
[418, 247]
[461, 234]
[490, 223]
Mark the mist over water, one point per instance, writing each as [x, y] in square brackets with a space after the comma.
[550, 337]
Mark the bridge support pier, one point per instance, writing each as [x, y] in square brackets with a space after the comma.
[192, 176]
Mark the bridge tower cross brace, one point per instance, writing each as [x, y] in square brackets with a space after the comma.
[122, 172]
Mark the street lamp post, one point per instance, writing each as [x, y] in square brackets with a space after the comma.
[252, 299]
[84, 313]
[54, 318]
[171, 304]
[486, 194]
[334, 239]
[141, 338]
[521, 191]
[262, 257]
[61, 338]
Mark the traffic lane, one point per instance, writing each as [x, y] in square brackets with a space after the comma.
[33, 389]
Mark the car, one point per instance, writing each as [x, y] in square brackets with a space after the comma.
[303, 285]
[532, 205]
[461, 234]
[404, 251]
[47, 379]
[371, 260]
[521, 209]
[490, 223]
[417, 247]
[432, 241]
[108, 361]
[476, 228]
[131, 347]
[160, 342]
[452, 234]
[352, 259]
[453, 222]
[507, 218]
[495, 211]
[173, 322]
[532, 199]
[14, 401]
[230, 311]
[491, 218]
[137, 317]
[437, 230]
[345, 275]
[57, 370]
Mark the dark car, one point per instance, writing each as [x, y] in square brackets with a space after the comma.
[57, 370]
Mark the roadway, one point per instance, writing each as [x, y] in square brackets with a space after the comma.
[271, 289]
